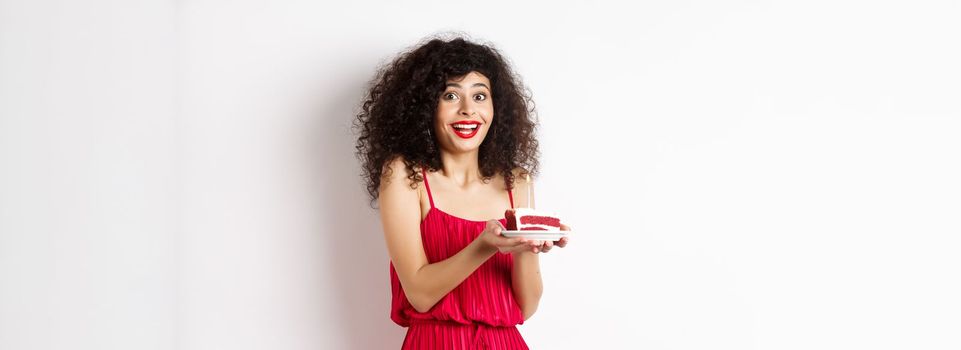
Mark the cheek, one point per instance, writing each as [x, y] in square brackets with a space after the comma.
[488, 113]
[439, 127]
[441, 116]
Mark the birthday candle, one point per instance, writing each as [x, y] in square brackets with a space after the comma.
[529, 202]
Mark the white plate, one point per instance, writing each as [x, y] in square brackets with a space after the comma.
[538, 235]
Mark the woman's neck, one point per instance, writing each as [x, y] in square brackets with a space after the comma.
[462, 169]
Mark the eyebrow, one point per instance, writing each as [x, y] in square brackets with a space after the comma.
[475, 84]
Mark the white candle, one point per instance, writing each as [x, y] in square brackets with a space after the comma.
[529, 203]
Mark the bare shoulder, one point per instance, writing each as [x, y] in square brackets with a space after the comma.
[395, 172]
[522, 177]
[395, 185]
[523, 187]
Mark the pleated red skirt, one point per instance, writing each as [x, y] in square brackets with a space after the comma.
[441, 335]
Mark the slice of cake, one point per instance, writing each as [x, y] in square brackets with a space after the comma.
[527, 219]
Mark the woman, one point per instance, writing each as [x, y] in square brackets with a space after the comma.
[444, 133]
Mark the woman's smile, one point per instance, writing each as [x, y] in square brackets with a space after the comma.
[466, 129]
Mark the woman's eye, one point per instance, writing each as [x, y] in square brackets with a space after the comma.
[450, 96]
[480, 97]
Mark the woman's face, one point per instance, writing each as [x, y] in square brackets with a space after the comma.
[464, 113]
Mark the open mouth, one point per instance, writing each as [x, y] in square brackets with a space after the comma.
[466, 129]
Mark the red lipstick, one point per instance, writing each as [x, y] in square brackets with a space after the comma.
[466, 129]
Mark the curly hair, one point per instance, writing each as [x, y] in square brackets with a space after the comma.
[399, 110]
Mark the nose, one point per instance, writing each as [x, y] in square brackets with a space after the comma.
[466, 109]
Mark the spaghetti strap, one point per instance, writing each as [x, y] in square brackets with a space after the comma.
[431, 198]
[510, 193]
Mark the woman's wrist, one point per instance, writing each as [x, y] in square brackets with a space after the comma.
[485, 247]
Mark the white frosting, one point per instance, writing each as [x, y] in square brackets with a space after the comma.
[519, 212]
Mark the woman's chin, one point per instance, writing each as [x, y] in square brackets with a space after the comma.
[460, 146]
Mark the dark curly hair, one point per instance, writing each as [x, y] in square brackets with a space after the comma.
[400, 106]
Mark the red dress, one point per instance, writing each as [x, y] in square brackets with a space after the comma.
[480, 312]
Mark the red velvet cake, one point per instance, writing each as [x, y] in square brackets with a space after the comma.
[527, 219]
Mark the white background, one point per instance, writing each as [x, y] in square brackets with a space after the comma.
[740, 175]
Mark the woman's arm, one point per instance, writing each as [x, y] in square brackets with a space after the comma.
[424, 283]
[526, 276]
[526, 281]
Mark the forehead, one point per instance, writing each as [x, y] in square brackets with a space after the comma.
[469, 79]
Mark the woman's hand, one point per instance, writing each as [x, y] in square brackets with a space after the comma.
[546, 246]
[491, 236]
